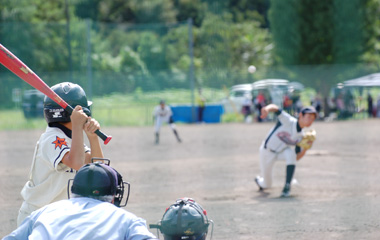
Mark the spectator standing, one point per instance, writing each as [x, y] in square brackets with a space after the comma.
[247, 108]
[378, 107]
[201, 102]
[370, 105]
[260, 103]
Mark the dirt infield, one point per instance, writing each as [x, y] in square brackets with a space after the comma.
[337, 197]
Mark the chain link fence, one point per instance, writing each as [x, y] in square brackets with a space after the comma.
[110, 60]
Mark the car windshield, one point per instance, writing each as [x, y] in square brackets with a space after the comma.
[239, 93]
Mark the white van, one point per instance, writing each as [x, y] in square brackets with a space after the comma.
[273, 90]
[236, 97]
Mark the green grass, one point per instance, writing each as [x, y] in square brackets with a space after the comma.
[232, 117]
[15, 120]
[173, 97]
[133, 115]
[134, 109]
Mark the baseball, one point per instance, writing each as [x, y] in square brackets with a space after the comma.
[251, 69]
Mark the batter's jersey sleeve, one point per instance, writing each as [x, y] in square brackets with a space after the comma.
[54, 145]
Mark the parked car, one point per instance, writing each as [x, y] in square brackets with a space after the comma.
[33, 104]
[236, 97]
[274, 91]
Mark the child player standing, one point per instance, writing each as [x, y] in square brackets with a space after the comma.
[163, 114]
[60, 151]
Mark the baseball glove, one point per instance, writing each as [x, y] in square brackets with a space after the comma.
[307, 140]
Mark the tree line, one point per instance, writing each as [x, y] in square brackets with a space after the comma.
[145, 43]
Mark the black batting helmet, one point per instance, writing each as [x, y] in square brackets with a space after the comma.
[98, 179]
[185, 219]
[73, 94]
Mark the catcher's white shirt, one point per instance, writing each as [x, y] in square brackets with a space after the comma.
[81, 218]
[48, 175]
[286, 133]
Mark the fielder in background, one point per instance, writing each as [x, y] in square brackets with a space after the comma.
[284, 143]
[89, 214]
[185, 219]
[60, 151]
[163, 114]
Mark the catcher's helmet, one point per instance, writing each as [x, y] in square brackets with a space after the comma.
[185, 219]
[73, 94]
[98, 179]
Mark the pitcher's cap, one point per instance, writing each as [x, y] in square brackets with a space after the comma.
[309, 109]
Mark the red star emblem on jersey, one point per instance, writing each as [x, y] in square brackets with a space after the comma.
[59, 142]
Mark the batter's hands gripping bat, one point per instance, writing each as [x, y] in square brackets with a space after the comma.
[16, 66]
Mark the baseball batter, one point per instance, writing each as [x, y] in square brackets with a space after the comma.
[163, 114]
[60, 151]
[280, 144]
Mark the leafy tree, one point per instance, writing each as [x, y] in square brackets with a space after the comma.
[195, 9]
[121, 11]
[349, 31]
[227, 49]
[243, 10]
[152, 51]
[285, 23]
[87, 9]
[372, 34]
[318, 34]
[21, 10]
[154, 11]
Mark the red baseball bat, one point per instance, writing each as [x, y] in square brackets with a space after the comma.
[16, 66]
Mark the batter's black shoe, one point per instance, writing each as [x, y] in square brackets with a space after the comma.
[286, 191]
[258, 184]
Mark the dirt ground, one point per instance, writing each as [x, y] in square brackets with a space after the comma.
[337, 195]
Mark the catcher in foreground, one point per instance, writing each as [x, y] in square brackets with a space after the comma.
[285, 141]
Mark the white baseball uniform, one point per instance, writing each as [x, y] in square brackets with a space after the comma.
[161, 115]
[279, 145]
[82, 218]
[48, 176]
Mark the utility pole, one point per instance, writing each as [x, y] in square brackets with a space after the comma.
[68, 39]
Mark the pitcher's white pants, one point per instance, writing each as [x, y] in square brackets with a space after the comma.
[267, 160]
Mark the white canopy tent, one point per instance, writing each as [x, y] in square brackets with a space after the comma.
[371, 80]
